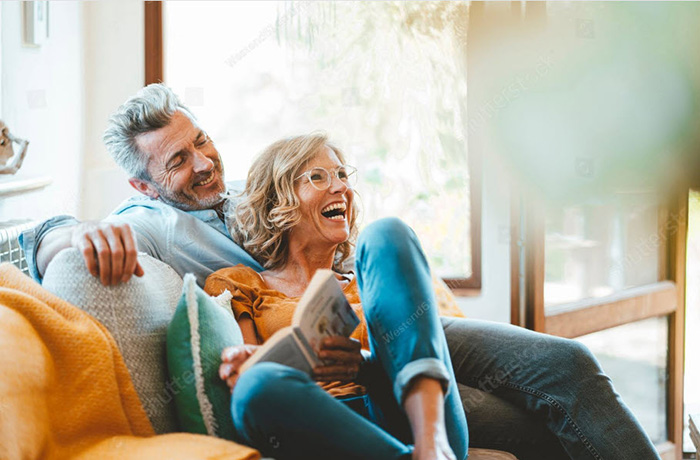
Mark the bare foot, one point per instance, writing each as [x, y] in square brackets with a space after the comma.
[437, 450]
[424, 407]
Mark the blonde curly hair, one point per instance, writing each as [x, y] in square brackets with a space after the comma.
[269, 206]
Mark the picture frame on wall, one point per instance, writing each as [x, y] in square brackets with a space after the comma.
[35, 23]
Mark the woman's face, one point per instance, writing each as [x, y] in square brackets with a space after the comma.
[325, 214]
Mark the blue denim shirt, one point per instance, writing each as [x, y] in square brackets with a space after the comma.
[189, 241]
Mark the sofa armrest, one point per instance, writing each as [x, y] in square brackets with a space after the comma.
[137, 314]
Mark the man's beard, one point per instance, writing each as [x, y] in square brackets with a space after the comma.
[189, 202]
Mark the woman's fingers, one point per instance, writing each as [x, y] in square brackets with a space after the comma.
[229, 374]
[232, 358]
[338, 342]
[228, 353]
[336, 372]
[236, 355]
[228, 370]
[344, 357]
[342, 351]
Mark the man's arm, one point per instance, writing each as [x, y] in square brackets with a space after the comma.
[109, 249]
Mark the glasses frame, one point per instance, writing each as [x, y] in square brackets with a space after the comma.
[350, 170]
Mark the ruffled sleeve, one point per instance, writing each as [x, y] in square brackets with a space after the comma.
[241, 282]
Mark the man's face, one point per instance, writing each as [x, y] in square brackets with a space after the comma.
[185, 168]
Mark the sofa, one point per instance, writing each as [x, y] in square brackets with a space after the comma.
[130, 321]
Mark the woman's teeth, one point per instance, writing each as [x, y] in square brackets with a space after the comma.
[335, 211]
[334, 206]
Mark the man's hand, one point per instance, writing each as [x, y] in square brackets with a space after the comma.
[109, 251]
[342, 357]
[232, 358]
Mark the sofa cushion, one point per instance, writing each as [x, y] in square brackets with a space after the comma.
[201, 328]
[137, 314]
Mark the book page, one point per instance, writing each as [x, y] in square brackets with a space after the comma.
[324, 311]
[281, 348]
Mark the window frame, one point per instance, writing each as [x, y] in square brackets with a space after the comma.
[154, 73]
[663, 298]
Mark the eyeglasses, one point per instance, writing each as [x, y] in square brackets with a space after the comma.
[321, 178]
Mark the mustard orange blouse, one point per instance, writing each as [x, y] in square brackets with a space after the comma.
[271, 310]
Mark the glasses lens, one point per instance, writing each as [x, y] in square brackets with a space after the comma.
[319, 178]
[347, 174]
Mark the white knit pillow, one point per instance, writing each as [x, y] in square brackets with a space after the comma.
[137, 314]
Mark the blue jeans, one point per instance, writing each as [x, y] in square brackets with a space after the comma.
[285, 414]
[556, 382]
[537, 396]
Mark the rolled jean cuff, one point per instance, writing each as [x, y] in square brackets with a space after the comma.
[424, 367]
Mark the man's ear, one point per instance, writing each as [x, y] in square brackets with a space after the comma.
[144, 187]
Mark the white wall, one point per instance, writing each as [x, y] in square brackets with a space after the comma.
[114, 70]
[493, 302]
[92, 61]
[44, 104]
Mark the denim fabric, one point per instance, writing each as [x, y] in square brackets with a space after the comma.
[495, 423]
[30, 239]
[286, 415]
[405, 333]
[557, 381]
[272, 402]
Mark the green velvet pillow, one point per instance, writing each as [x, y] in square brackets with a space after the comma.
[201, 327]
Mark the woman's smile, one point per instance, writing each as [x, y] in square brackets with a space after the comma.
[335, 211]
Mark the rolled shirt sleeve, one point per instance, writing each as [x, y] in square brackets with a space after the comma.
[30, 239]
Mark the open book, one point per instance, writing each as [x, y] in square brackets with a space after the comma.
[323, 311]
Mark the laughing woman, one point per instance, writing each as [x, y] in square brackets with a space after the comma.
[299, 216]
[401, 401]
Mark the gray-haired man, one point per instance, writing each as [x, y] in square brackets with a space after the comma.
[178, 171]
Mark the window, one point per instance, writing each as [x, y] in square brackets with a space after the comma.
[597, 248]
[691, 400]
[386, 81]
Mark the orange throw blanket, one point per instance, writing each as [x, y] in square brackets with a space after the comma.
[65, 392]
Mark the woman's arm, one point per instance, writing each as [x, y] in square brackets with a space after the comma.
[250, 334]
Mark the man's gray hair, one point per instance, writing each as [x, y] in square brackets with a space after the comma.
[151, 108]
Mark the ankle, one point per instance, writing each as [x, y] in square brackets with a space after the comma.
[424, 405]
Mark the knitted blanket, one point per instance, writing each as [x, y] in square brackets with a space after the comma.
[65, 392]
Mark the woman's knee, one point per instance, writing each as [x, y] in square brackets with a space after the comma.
[264, 386]
[387, 234]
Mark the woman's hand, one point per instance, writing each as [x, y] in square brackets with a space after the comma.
[342, 359]
[232, 358]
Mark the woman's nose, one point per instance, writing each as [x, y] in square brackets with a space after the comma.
[337, 185]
